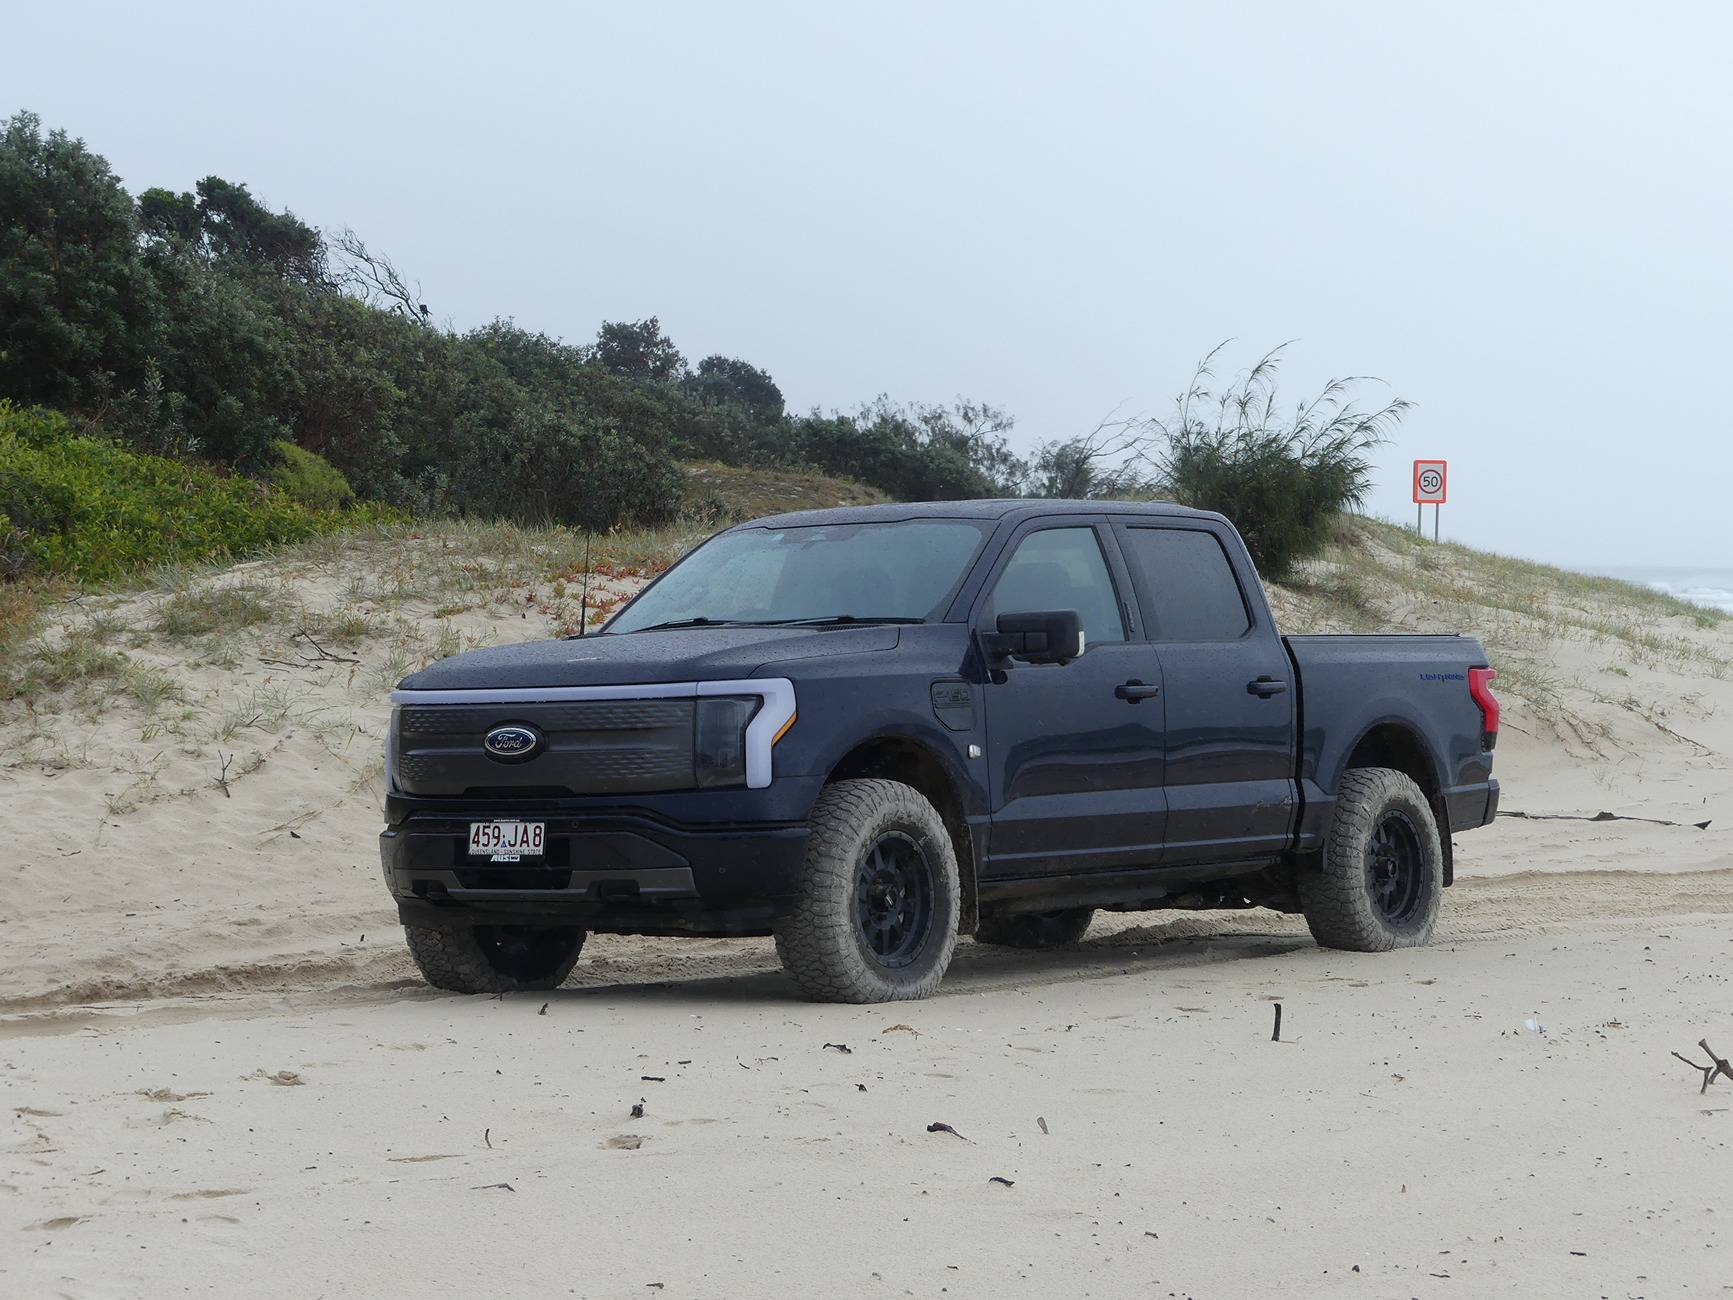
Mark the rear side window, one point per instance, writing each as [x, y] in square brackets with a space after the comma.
[1189, 584]
[1060, 568]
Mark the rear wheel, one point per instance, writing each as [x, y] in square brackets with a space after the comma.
[1035, 929]
[494, 958]
[1382, 875]
[876, 916]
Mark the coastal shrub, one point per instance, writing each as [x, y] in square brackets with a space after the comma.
[1285, 480]
[90, 510]
[309, 479]
[206, 325]
[538, 466]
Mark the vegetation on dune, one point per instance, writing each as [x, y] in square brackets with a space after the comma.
[231, 378]
[1375, 576]
[206, 325]
[89, 510]
[1285, 477]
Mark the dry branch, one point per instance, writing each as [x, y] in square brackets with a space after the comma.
[1717, 1067]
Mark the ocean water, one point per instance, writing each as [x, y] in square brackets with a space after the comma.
[1703, 586]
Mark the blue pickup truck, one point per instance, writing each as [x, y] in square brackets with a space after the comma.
[869, 731]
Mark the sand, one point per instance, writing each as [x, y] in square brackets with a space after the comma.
[220, 1077]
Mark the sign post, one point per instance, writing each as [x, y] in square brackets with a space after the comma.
[1431, 488]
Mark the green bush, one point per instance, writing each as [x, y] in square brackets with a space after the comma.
[1284, 481]
[205, 325]
[309, 479]
[90, 510]
[538, 466]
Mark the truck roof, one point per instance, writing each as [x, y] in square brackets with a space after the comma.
[992, 508]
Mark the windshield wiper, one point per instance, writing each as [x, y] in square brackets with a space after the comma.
[827, 620]
[700, 621]
[838, 620]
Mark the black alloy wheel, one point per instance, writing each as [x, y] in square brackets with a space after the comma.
[894, 899]
[1396, 868]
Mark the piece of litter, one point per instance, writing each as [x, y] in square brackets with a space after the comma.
[996, 1179]
[490, 1187]
[1534, 1026]
[844, 1048]
[638, 1110]
[1042, 1123]
[652, 1078]
[940, 1127]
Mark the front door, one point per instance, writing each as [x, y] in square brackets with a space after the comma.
[1074, 750]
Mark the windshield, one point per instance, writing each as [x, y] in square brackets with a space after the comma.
[903, 572]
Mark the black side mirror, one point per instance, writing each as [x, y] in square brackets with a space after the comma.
[1053, 636]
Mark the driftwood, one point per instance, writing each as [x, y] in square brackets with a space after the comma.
[1598, 817]
[320, 652]
[1712, 1071]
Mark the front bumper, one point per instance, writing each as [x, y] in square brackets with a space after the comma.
[638, 870]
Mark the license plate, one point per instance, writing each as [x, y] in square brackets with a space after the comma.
[507, 841]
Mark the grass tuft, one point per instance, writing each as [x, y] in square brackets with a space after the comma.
[215, 610]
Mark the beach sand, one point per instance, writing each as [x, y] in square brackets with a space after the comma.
[221, 1077]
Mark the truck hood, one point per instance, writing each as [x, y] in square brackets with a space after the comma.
[676, 655]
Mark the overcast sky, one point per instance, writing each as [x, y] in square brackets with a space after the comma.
[1516, 215]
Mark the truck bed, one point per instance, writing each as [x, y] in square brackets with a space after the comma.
[1360, 695]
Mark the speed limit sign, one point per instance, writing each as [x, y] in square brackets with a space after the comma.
[1430, 482]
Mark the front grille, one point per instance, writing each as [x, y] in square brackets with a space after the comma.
[580, 715]
[587, 747]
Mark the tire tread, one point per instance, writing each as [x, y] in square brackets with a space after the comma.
[1335, 898]
[816, 938]
[452, 958]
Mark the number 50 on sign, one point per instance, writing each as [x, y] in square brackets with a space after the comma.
[1431, 482]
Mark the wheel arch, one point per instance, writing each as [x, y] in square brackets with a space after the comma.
[1395, 744]
[899, 757]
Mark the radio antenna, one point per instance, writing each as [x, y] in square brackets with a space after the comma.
[584, 597]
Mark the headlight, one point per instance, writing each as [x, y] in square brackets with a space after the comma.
[719, 738]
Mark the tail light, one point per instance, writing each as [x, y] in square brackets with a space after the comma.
[1480, 688]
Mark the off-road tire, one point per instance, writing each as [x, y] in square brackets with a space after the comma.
[494, 959]
[1035, 929]
[1340, 898]
[820, 938]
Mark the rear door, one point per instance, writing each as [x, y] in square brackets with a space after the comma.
[1228, 687]
[1074, 750]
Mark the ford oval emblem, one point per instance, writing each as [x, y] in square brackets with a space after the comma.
[512, 743]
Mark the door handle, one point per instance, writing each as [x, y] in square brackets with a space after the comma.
[1133, 691]
[1266, 687]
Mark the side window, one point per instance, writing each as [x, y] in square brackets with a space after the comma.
[1060, 568]
[1189, 583]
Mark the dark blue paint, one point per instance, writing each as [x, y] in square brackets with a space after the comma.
[1077, 781]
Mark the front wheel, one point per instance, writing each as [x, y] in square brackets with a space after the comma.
[1382, 875]
[494, 958]
[876, 916]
